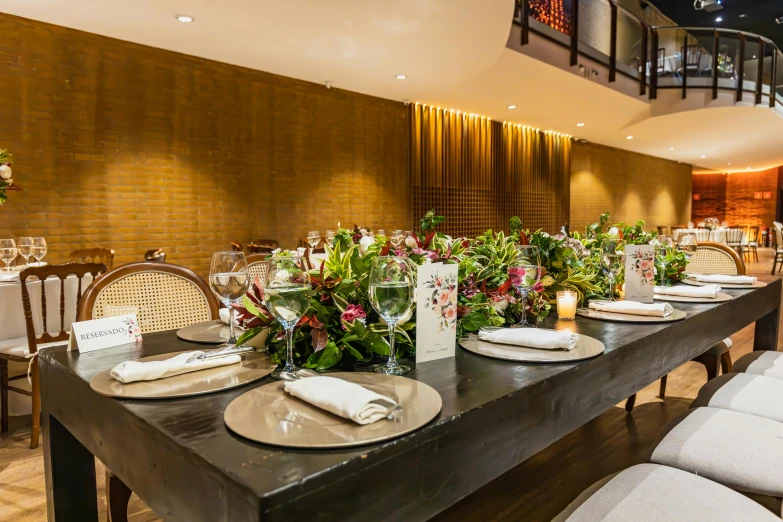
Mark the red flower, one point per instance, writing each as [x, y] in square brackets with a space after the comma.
[352, 313]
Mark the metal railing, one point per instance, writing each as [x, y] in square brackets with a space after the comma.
[658, 57]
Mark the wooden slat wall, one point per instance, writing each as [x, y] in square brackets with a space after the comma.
[478, 172]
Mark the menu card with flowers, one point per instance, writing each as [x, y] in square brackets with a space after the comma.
[436, 311]
[639, 273]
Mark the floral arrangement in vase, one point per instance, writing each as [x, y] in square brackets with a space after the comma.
[6, 181]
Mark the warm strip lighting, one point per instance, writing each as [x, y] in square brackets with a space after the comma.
[185, 19]
[478, 116]
[736, 171]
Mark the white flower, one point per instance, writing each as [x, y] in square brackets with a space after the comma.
[275, 251]
[500, 305]
[410, 242]
[614, 231]
[5, 173]
[363, 231]
[364, 244]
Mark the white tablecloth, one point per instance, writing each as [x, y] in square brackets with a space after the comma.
[716, 236]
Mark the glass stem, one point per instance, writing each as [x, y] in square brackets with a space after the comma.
[524, 291]
[392, 350]
[232, 338]
[611, 288]
[289, 355]
[663, 274]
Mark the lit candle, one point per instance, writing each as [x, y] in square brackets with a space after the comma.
[566, 304]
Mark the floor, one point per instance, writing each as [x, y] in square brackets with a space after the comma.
[536, 490]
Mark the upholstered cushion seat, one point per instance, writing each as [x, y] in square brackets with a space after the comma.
[17, 347]
[740, 451]
[745, 393]
[649, 492]
[762, 362]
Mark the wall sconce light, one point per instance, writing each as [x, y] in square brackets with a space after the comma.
[696, 197]
[768, 195]
[757, 195]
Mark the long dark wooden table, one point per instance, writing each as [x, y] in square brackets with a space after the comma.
[180, 458]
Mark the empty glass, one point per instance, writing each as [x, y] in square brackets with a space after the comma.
[313, 238]
[524, 272]
[688, 244]
[25, 245]
[612, 263]
[287, 294]
[229, 280]
[38, 250]
[397, 238]
[392, 281]
[8, 252]
[330, 237]
[665, 247]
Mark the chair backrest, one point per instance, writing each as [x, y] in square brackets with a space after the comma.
[716, 258]
[693, 56]
[41, 273]
[733, 235]
[259, 249]
[93, 255]
[778, 236]
[272, 243]
[257, 266]
[753, 233]
[703, 234]
[663, 230]
[155, 256]
[236, 247]
[661, 58]
[165, 296]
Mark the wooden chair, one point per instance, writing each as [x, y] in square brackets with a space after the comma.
[734, 239]
[710, 258]
[166, 297]
[753, 243]
[777, 243]
[237, 247]
[21, 350]
[660, 68]
[257, 266]
[155, 256]
[260, 249]
[691, 57]
[93, 255]
[663, 230]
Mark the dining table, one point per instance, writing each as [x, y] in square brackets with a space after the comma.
[179, 457]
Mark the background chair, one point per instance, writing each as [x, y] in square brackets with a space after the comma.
[155, 256]
[252, 248]
[753, 243]
[663, 230]
[20, 350]
[257, 266]
[691, 60]
[710, 258]
[93, 255]
[237, 247]
[734, 238]
[777, 244]
[660, 68]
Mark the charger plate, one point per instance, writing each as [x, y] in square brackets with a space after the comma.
[270, 416]
[254, 366]
[676, 315]
[720, 298]
[693, 282]
[208, 332]
[586, 348]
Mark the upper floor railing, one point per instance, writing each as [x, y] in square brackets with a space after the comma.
[658, 57]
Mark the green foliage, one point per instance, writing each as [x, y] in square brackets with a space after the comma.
[430, 221]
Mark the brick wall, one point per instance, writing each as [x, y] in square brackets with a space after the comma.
[732, 197]
[135, 148]
[631, 186]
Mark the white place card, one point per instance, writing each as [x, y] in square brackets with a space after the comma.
[88, 336]
[436, 312]
[639, 273]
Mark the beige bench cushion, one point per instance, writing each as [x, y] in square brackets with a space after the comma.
[741, 451]
[745, 393]
[653, 493]
[761, 363]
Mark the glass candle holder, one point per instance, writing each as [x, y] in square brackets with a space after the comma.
[566, 304]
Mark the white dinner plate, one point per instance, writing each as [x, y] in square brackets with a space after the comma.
[585, 348]
[676, 315]
[720, 298]
[693, 282]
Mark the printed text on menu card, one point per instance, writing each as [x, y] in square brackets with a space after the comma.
[436, 312]
[639, 273]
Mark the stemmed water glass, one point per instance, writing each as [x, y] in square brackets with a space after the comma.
[392, 282]
[287, 294]
[612, 262]
[330, 237]
[380, 232]
[688, 244]
[25, 245]
[524, 272]
[397, 238]
[8, 252]
[38, 249]
[229, 280]
[665, 247]
[313, 238]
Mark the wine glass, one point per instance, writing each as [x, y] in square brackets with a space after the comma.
[330, 237]
[688, 244]
[25, 245]
[665, 247]
[229, 280]
[397, 238]
[612, 262]
[391, 295]
[380, 232]
[38, 249]
[524, 272]
[287, 294]
[313, 238]
[8, 252]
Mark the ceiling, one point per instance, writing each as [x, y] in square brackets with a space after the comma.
[759, 19]
[454, 54]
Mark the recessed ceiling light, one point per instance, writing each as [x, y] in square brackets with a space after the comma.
[580, 124]
[729, 163]
[185, 19]
[400, 76]
[743, 15]
[512, 106]
[754, 56]
[629, 137]
[748, 168]
[704, 157]
[719, 19]
[671, 148]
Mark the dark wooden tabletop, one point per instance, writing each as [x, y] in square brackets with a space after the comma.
[180, 458]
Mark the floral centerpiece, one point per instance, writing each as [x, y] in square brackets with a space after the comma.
[6, 181]
[341, 329]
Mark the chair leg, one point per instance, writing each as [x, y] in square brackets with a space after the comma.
[117, 498]
[3, 395]
[710, 362]
[36, 417]
[725, 362]
[662, 392]
[630, 403]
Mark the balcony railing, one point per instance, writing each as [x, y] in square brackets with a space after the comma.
[658, 57]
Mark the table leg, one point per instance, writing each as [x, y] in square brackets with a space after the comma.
[71, 492]
[766, 337]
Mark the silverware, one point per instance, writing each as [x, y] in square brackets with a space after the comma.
[231, 350]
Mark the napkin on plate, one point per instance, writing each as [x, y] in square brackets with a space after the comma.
[9, 277]
[633, 308]
[531, 338]
[132, 371]
[725, 279]
[346, 399]
[708, 291]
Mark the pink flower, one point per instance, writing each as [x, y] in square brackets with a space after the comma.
[352, 313]
[443, 299]
[517, 275]
[451, 313]
[422, 252]
[645, 264]
[648, 275]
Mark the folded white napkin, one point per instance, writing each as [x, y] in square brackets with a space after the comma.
[633, 308]
[708, 291]
[725, 279]
[531, 338]
[343, 398]
[132, 371]
[9, 277]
